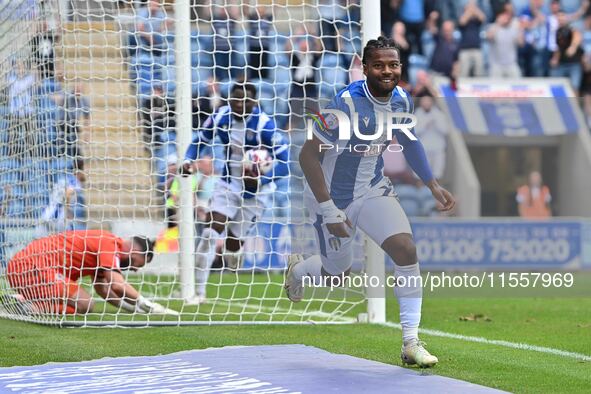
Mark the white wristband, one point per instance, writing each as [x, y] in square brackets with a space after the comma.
[143, 304]
[330, 213]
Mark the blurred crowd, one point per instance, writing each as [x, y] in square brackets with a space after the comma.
[42, 122]
[450, 38]
[496, 38]
[239, 43]
[291, 69]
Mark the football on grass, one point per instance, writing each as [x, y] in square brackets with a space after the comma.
[257, 162]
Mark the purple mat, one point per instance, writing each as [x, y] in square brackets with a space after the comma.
[240, 369]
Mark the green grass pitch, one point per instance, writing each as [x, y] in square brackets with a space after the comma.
[557, 320]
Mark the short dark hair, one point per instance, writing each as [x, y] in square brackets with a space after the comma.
[381, 43]
[245, 87]
[145, 246]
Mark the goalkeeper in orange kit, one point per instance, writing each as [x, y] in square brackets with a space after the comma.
[45, 273]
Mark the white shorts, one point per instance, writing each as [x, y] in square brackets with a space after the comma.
[378, 214]
[242, 213]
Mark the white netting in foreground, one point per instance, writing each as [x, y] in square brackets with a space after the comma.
[89, 140]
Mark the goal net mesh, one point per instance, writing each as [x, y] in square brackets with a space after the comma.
[89, 141]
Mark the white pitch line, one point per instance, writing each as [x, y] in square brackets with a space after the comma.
[426, 331]
[297, 312]
[513, 345]
[443, 334]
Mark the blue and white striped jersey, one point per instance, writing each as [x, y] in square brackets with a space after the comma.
[353, 166]
[257, 131]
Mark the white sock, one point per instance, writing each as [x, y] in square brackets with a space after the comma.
[410, 297]
[311, 267]
[204, 257]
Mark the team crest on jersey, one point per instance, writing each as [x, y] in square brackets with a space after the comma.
[331, 121]
[366, 121]
[335, 243]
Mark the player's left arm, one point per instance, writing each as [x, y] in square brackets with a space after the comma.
[414, 153]
[112, 286]
[201, 139]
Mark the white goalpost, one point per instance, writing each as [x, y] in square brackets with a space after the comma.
[108, 97]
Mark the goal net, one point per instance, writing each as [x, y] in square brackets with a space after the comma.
[93, 133]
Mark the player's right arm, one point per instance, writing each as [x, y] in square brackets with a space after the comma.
[335, 219]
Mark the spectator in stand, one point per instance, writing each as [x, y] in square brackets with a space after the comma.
[552, 26]
[159, 123]
[432, 130]
[303, 90]
[225, 30]
[470, 56]
[505, 37]
[446, 9]
[412, 13]
[423, 86]
[567, 60]
[332, 13]
[67, 209]
[586, 84]
[390, 13]
[399, 36]
[551, 29]
[260, 31]
[498, 7]
[157, 116]
[531, 54]
[21, 107]
[153, 25]
[42, 47]
[533, 199]
[205, 105]
[72, 118]
[445, 56]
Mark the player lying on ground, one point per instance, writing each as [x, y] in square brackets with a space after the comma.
[239, 198]
[45, 273]
[349, 191]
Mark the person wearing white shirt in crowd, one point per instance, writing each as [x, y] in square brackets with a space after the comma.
[505, 37]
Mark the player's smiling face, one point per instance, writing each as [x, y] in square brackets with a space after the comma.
[383, 71]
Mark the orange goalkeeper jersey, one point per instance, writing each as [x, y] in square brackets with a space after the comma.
[76, 253]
